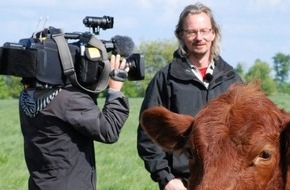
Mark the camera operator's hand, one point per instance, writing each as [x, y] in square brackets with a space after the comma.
[117, 64]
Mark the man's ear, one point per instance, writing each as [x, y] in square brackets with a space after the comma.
[168, 129]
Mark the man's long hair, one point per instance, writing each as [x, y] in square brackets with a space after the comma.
[197, 9]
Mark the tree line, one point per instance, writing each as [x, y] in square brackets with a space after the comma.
[274, 77]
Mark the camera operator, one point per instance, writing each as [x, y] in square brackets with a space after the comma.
[60, 125]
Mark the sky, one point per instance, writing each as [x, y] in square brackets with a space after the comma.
[251, 29]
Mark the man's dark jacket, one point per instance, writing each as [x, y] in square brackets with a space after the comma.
[178, 89]
[59, 138]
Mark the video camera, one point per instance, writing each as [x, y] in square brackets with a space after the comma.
[49, 58]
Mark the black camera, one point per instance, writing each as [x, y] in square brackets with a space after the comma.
[49, 58]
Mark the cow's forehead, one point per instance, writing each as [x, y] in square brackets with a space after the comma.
[239, 120]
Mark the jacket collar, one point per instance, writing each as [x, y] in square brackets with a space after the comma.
[180, 70]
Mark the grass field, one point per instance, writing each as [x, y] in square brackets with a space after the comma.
[118, 165]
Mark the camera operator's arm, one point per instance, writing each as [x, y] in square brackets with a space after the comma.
[103, 125]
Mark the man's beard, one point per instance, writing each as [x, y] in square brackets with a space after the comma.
[197, 54]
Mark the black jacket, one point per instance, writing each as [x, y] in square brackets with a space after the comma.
[58, 138]
[177, 88]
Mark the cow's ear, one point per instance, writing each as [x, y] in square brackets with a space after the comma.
[168, 129]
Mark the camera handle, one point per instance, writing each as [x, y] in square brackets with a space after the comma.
[119, 75]
[68, 66]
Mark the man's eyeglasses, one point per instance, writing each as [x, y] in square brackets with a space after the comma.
[193, 33]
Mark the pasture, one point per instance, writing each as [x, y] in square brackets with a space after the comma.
[118, 165]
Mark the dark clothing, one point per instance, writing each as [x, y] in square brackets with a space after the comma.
[178, 89]
[59, 138]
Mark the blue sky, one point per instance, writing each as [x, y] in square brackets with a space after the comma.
[251, 29]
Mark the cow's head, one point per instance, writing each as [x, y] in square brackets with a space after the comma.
[239, 141]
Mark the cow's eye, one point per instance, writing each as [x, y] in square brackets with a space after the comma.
[265, 154]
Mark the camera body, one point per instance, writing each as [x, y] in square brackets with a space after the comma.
[39, 58]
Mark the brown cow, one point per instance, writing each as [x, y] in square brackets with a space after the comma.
[239, 141]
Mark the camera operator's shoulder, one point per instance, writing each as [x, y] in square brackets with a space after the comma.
[73, 92]
[75, 96]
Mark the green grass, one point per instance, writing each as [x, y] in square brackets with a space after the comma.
[13, 173]
[282, 100]
[118, 165]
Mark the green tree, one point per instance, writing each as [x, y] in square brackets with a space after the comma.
[10, 87]
[14, 85]
[156, 55]
[261, 71]
[281, 68]
[284, 87]
[4, 92]
[240, 70]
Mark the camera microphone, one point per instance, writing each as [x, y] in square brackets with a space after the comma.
[122, 45]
